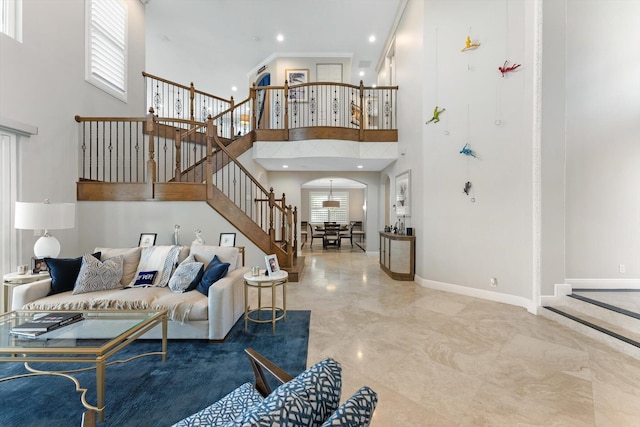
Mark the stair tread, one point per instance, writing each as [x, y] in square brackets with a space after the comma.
[601, 323]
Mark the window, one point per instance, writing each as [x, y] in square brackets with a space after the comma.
[319, 214]
[11, 18]
[106, 41]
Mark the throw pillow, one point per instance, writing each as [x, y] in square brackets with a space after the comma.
[282, 407]
[225, 409]
[321, 386]
[96, 275]
[356, 411]
[130, 264]
[64, 272]
[204, 253]
[145, 278]
[215, 271]
[186, 277]
[160, 259]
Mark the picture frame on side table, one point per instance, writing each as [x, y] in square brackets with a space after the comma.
[38, 265]
[147, 239]
[227, 239]
[403, 193]
[296, 77]
[273, 268]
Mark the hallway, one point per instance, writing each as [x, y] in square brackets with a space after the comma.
[441, 359]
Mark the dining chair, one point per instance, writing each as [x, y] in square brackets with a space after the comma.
[315, 234]
[331, 235]
[357, 230]
[303, 231]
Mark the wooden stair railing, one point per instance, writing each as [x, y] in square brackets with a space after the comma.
[236, 195]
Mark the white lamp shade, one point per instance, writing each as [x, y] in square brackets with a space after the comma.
[45, 216]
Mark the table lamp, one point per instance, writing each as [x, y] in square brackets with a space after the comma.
[45, 216]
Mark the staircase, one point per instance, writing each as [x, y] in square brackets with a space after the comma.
[611, 316]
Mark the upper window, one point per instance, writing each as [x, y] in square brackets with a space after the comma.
[106, 41]
[319, 214]
[11, 18]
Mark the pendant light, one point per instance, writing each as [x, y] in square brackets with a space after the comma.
[331, 203]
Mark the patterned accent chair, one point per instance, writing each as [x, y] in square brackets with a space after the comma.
[310, 399]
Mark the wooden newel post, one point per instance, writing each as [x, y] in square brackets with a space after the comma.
[362, 112]
[208, 166]
[252, 94]
[177, 142]
[286, 110]
[192, 96]
[150, 128]
[271, 204]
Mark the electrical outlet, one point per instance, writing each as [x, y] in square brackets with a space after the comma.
[622, 268]
[494, 282]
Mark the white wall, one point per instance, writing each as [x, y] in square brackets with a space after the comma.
[460, 242]
[42, 85]
[603, 139]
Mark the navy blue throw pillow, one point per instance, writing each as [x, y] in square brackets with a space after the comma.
[64, 272]
[145, 278]
[215, 271]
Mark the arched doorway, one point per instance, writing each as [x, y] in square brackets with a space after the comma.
[352, 196]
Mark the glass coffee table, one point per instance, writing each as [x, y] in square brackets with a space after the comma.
[93, 340]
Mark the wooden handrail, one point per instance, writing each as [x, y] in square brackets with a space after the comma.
[145, 74]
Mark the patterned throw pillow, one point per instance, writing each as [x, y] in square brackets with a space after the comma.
[356, 411]
[283, 407]
[64, 272]
[145, 278]
[158, 258]
[186, 277]
[96, 275]
[321, 386]
[225, 409]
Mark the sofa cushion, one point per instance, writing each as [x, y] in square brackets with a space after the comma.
[215, 271]
[320, 385]
[225, 409]
[64, 272]
[145, 278]
[96, 275]
[186, 277]
[283, 407]
[188, 306]
[205, 253]
[130, 264]
[356, 411]
[159, 258]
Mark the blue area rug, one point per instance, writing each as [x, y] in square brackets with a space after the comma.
[148, 392]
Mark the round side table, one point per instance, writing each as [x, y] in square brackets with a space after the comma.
[261, 282]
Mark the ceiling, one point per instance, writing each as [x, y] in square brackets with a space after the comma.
[242, 33]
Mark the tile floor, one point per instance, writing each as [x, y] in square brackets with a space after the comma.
[441, 359]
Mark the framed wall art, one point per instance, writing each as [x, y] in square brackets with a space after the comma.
[227, 239]
[296, 77]
[403, 193]
[147, 239]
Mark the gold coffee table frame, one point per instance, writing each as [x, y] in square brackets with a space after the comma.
[98, 355]
[261, 282]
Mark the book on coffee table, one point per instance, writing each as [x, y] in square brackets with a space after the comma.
[46, 323]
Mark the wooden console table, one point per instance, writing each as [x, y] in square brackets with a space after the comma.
[397, 255]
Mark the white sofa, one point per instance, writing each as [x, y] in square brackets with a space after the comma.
[192, 314]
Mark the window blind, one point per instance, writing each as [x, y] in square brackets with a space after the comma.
[107, 46]
[319, 214]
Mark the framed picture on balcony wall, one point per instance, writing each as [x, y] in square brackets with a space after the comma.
[403, 193]
[296, 77]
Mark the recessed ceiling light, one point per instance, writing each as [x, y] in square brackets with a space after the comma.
[280, 37]
[234, 88]
[372, 38]
[360, 166]
[285, 166]
[361, 73]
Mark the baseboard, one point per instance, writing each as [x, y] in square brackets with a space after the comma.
[529, 305]
[560, 290]
[604, 283]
